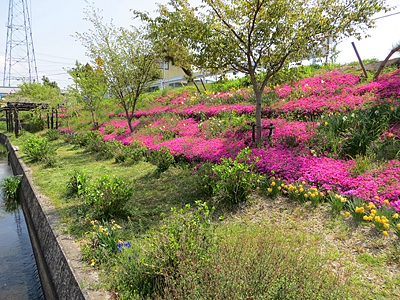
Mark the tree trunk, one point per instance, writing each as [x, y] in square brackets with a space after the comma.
[130, 124]
[383, 64]
[258, 94]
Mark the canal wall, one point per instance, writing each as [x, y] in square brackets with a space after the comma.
[57, 255]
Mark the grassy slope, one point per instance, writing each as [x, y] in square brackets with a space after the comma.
[373, 260]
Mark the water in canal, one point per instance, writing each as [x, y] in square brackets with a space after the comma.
[19, 279]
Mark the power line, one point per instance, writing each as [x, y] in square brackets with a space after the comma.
[386, 16]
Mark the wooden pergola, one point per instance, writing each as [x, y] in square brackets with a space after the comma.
[12, 117]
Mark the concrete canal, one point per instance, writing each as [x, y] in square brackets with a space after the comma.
[19, 279]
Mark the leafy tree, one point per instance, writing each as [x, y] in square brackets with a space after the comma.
[263, 36]
[90, 87]
[46, 81]
[36, 92]
[127, 59]
[168, 33]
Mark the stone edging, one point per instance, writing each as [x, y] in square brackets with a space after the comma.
[58, 256]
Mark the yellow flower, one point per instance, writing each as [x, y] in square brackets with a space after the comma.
[360, 209]
[390, 134]
[329, 191]
[347, 213]
[100, 229]
[386, 202]
[321, 194]
[378, 219]
[303, 182]
[92, 222]
[366, 218]
[384, 232]
[376, 197]
[398, 226]
[392, 108]
[258, 180]
[396, 216]
[273, 183]
[305, 195]
[258, 188]
[269, 190]
[386, 226]
[301, 190]
[279, 188]
[326, 123]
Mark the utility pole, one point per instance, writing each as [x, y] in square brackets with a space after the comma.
[20, 62]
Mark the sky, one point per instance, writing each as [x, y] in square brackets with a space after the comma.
[54, 22]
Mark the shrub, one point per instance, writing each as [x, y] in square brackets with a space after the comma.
[108, 196]
[52, 134]
[83, 138]
[162, 158]
[94, 142]
[133, 152]
[36, 124]
[38, 149]
[237, 177]
[205, 178]
[10, 186]
[105, 240]
[185, 236]
[77, 183]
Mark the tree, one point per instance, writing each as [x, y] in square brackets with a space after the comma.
[265, 36]
[46, 81]
[168, 33]
[90, 88]
[36, 92]
[127, 59]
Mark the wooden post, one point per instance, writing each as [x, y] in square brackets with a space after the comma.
[203, 84]
[7, 121]
[253, 132]
[48, 121]
[56, 119]
[271, 127]
[196, 86]
[16, 119]
[359, 59]
[11, 121]
[52, 119]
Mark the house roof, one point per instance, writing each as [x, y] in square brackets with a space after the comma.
[6, 90]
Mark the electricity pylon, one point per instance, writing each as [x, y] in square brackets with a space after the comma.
[20, 62]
